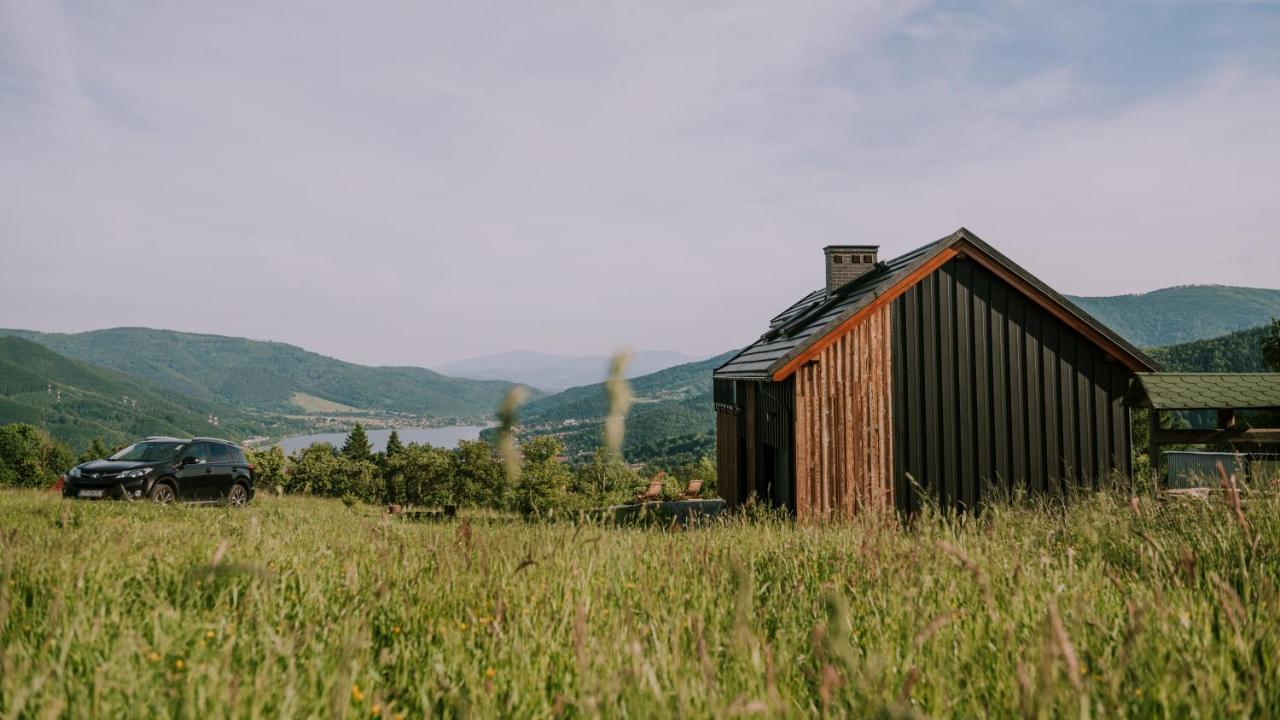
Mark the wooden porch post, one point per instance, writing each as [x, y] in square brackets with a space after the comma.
[1153, 446]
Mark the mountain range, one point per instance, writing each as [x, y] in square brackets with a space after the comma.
[76, 402]
[272, 375]
[174, 381]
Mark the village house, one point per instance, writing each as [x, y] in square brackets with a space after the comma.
[939, 373]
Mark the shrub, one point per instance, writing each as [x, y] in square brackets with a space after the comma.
[29, 457]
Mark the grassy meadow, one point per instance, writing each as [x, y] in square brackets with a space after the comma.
[305, 607]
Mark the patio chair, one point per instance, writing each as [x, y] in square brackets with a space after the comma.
[692, 490]
[652, 493]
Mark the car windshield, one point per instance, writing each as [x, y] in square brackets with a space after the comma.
[149, 451]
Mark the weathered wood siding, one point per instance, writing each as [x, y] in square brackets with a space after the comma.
[843, 424]
[991, 390]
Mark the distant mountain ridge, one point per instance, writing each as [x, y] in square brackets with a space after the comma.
[1184, 313]
[550, 371]
[76, 402]
[672, 419]
[269, 375]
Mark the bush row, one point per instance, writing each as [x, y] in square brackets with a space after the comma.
[470, 475]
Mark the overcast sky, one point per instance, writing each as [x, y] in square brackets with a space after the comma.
[414, 183]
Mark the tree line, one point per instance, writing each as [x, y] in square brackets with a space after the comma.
[470, 475]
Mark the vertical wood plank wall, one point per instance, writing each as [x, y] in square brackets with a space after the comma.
[843, 424]
[727, 441]
[990, 390]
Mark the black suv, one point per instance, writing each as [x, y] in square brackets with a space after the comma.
[167, 469]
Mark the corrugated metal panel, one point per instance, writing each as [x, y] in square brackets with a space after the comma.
[1200, 469]
[844, 424]
[991, 388]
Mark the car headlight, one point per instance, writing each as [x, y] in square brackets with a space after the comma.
[74, 472]
[135, 474]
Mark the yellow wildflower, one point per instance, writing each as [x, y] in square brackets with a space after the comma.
[153, 657]
[462, 626]
[209, 634]
[395, 630]
[178, 664]
[356, 693]
[490, 672]
[375, 710]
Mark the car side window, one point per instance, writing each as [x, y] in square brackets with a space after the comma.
[199, 451]
[220, 453]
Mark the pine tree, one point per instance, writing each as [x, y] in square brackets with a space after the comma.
[394, 446]
[357, 446]
[97, 450]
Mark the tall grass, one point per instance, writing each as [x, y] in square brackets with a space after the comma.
[298, 606]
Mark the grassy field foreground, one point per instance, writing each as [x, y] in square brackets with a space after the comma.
[305, 607]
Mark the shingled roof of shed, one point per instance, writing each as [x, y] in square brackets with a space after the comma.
[819, 314]
[1206, 391]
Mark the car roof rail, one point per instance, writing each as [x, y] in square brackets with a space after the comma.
[214, 439]
[162, 437]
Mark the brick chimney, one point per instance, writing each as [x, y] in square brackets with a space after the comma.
[846, 263]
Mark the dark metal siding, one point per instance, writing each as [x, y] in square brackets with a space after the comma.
[991, 388]
[755, 441]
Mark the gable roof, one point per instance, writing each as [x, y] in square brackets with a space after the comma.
[1206, 391]
[803, 329]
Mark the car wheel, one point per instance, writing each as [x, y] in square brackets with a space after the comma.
[237, 495]
[162, 493]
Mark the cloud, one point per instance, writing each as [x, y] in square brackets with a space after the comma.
[415, 183]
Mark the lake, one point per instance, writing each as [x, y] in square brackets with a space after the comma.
[445, 437]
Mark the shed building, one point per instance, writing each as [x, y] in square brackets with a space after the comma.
[944, 371]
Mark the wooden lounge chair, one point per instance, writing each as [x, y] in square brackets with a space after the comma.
[651, 494]
[691, 490]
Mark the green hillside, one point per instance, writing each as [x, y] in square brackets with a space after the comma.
[1183, 314]
[76, 402]
[671, 421]
[1237, 352]
[266, 375]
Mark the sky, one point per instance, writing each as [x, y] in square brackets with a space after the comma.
[420, 182]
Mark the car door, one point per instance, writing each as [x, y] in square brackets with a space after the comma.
[222, 461]
[194, 474]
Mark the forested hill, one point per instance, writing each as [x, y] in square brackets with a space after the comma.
[271, 375]
[76, 402]
[674, 384]
[1183, 314]
[1237, 352]
[672, 420]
